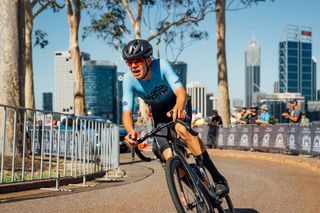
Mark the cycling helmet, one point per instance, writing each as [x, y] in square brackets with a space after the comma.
[137, 48]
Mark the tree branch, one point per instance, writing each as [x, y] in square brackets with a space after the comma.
[126, 6]
[41, 9]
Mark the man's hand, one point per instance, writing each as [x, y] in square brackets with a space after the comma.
[285, 115]
[131, 139]
[177, 113]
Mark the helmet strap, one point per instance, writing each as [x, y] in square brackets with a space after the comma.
[148, 69]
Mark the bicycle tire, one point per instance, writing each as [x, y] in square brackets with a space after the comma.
[178, 194]
[141, 156]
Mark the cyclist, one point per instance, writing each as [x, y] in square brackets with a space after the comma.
[156, 83]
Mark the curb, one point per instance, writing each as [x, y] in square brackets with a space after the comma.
[36, 184]
[309, 163]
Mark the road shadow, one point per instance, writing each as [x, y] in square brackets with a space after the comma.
[237, 210]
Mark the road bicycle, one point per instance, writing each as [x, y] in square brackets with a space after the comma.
[191, 186]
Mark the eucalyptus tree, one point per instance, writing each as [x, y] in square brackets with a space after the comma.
[12, 70]
[33, 8]
[223, 88]
[73, 9]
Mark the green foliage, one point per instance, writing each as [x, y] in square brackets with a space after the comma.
[170, 21]
[41, 38]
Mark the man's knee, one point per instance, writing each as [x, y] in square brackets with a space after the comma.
[182, 131]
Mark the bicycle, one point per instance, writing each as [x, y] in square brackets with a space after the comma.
[191, 186]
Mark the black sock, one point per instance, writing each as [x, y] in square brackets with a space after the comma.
[207, 162]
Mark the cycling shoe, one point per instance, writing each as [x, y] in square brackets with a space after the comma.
[222, 188]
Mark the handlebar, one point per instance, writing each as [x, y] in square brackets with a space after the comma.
[152, 133]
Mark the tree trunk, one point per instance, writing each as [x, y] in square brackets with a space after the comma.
[29, 86]
[12, 72]
[74, 20]
[223, 97]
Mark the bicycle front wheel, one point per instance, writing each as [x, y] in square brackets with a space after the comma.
[185, 196]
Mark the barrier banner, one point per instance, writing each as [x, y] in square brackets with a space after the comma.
[245, 135]
[278, 138]
[222, 142]
[315, 150]
[293, 136]
[203, 134]
[232, 137]
[255, 137]
[304, 140]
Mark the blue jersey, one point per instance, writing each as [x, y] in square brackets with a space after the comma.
[157, 91]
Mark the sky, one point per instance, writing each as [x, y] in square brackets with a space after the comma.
[265, 22]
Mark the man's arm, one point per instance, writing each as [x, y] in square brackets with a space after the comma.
[128, 121]
[178, 109]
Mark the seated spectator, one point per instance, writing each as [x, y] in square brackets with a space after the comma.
[304, 120]
[198, 121]
[264, 117]
[241, 119]
[252, 115]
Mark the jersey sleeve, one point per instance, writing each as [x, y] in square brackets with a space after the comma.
[128, 95]
[172, 78]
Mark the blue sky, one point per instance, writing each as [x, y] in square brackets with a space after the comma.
[265, 22]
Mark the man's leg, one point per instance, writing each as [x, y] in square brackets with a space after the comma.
[196, 146]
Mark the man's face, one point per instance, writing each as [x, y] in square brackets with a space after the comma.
[138, 67]
[293, 104]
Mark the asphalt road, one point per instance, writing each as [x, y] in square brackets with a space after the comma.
[256, 186]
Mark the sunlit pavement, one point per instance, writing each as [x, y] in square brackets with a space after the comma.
[257, 185]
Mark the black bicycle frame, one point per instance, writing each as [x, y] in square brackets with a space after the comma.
[174, 143]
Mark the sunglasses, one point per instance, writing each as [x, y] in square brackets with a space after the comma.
[137, 62]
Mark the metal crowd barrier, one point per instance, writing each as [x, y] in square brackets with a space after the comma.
[36, 144]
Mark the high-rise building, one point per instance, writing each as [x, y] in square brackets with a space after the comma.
[276, 87]
[198, 93]
[209, 104]
[119, 96]
[47, 101]
[181, 70]
[295, 64]
[64, 81]
[314, 79]
[100, 88]
[252, 67]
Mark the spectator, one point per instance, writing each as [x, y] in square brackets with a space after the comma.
[198, 121]
[213, 127]
[140, 119]
[304, 120]
[216, 119]
[40, 127]
[54, 124]
[193, 115]
[241, 119]
[252, 115]
[294, 115]
[264, 117]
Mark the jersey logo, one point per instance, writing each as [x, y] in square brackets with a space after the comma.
[158, 91]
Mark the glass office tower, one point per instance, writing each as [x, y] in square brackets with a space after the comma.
[100, 88]
[47, 101]
[252, 76]
[295, 61]
[181, 70]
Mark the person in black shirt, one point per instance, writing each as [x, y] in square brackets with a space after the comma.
[252, 116]
[216, 119]
[213, 127]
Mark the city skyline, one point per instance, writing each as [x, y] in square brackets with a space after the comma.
[200, 57]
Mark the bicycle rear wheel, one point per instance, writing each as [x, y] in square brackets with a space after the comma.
[185, 196]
